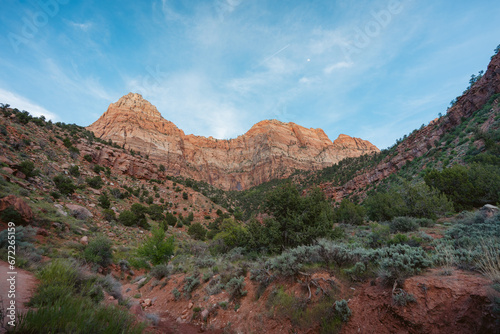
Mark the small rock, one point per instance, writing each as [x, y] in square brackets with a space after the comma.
[148, 302]
[84, 240]
[111, 298]
[139, 282]
[204, 314]
[179, 320]
[190, 305]
[128, 289]
[92, 205]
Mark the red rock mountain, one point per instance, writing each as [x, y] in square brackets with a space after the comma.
[270, 149]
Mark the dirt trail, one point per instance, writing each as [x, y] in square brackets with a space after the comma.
[26, 284]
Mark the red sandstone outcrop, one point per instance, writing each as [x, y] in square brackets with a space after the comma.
[460, 303]
[17, 204]
[270, 149]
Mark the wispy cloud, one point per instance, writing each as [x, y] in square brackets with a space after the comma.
[22, 103]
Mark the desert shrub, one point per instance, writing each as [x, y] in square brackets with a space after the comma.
[379, 235]
[197, 231]
[185, 195]
[401, 261]
[204, 262]
[403, 224]
[95, 182]
[160, 271]
[176, 294]
[25, 236]
[403, 298]
[64, 184]
[191, 282]
[157, 248]
[87, 157]
[155, 211]
[343, 310]
[99, 251]
[235, 287]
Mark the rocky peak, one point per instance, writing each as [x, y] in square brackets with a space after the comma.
[270, 149]
[135, 103]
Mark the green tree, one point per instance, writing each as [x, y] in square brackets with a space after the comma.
[104, 201]
[349, 213]
[157, 248]
[301, 219]
[197, 231]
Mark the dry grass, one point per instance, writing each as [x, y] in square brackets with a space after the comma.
[489, 263]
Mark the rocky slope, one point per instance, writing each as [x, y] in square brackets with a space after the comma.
[423, 140]
[269, 150]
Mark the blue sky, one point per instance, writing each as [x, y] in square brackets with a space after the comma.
[370, 69]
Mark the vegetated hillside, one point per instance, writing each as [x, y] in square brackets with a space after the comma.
[106, 245]
[270, 149]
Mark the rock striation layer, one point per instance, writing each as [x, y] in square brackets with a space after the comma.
[270, 149]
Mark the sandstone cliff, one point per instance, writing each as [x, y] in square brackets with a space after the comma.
[270, 149]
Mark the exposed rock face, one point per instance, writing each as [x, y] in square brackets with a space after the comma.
[270, 149]
[17, 204]
[418, 144]
[444, 304]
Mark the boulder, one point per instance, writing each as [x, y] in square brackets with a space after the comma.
[489, 210]
[79, 212]
[84, 240]
[17, 204]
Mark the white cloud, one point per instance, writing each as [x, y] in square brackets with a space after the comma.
[22, 103]
[343, 64]
[82, 26]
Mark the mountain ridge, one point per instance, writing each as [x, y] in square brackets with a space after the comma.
[269, 149]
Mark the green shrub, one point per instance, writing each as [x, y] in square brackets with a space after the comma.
[95, 182]
[74, 171]
[235, 287]
[349, 213]
[403, 224]
[160, 271]
[403, 298]
[64, 184]
[127, 218]
[176, 294]
[157, 248]
[343, 310]
[197, 231]
[87, 157]
[27, 167]
[104, 201]
[401, 261]
[11, 215]
[109, 215]
[191, 282]
[99, 251]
